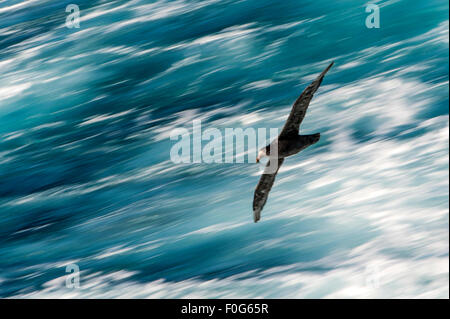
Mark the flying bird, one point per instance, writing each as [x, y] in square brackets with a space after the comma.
[288, 143]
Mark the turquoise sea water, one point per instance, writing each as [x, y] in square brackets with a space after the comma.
[86, 177]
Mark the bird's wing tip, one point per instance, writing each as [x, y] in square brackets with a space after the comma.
[328, 67]
[256, 215]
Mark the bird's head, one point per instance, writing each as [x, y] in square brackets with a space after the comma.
[262, 152]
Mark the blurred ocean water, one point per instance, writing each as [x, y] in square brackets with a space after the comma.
[86, 176]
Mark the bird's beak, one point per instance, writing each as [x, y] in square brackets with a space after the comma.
[261, 153]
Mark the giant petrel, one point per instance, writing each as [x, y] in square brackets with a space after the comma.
[288, 143]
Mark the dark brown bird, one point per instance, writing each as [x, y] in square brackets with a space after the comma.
[288, 143]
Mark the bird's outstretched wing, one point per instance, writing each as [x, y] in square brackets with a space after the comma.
[292, 125]
[263, 188]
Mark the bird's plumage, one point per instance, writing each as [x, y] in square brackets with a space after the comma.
[263, 188]
[298, 111]
[289, 142]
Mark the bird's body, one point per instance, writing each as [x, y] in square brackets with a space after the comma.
[288, 143]
[291, 145]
